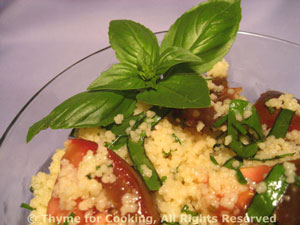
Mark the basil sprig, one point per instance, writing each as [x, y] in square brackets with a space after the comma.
[199, 38]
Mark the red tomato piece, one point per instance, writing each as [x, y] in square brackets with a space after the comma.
[128, 181]
[269, 118]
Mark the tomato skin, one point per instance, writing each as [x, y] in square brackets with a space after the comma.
[128, 181]
[256, 173]
[266, 117]
[76, 149]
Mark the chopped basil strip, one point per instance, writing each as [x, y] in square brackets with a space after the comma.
[220, 121]
[138, 156]
[273, 158]
[185, 209]
[169, 223]
[265, 203]
[282, 123]
[229, 164]
[69, 219]
[117, 143]
[176, 138]
[167, 154]
[271, 110]
[163, 179]
[297, 180]
[31, 189]
[214, 161]
[26, 206]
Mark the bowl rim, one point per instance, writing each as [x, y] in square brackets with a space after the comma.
[11, 124]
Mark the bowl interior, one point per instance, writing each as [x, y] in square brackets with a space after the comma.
[257, 64]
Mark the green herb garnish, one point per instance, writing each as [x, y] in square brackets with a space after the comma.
[265, 203]
[70, 217]
[220, 121]
[191, 46]
[282, 123]
[98, 167]
[297, 180]
[176, 138]
[168, 154]
[31, 189]
[138, 156]
[273, 158]
[213, 160]
[26, 206]
[163, 179]
[185, 209]
[110, 166]
[229, 164]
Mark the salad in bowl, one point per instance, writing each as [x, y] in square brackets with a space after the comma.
[162, 138]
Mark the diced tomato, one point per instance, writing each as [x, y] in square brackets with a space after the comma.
[256, 173]
[128, 181]
[269, 118]
[76, 149]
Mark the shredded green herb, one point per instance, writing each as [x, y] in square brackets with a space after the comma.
[70, 217]
[214, 161]
[185, 209]
[220, 121]
[110, 165]
[163, 179]
[297, 180]
[176, 138]
[271, 110]
[273, 158]
[26, 206]
[31, 189]
[282, 123]
[168, 154]
[169, 223]
[98, 167]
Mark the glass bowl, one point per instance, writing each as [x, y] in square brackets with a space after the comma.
[257, 63]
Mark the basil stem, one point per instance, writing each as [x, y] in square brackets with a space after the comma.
[26, 206]
[282, 123]
[265, 203]
[138, 156]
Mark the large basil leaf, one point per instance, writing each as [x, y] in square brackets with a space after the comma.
[173, 56]
[119, 77]
[129, 38]
[86, 109]
[178, 91]
[207, 30]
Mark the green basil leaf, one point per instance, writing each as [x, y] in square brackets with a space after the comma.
[178, 91]
[118, 143]
[129, 38]
[264, 204]
[139, 158]
[207, 30]
[119, 77]
[282, 123]
[173, 56]
[86, 109]
[146, 66]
